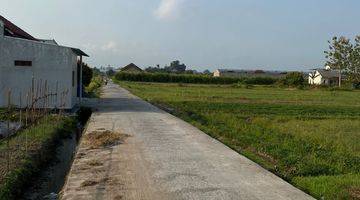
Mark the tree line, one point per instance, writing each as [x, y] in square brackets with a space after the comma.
[189, 78]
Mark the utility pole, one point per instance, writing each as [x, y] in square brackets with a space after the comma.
[339, 78]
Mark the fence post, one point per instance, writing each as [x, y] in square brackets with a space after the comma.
[26, 121]
[20, 106]
[8, 130]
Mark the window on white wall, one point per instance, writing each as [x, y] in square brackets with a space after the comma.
[23, 63]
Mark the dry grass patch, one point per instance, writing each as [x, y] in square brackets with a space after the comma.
[94, 163]
[354, 193]
[101, 139]
[88, 183]
[118, 197]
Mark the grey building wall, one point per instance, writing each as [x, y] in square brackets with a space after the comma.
[49, 62]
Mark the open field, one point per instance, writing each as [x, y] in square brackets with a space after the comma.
[308, 137]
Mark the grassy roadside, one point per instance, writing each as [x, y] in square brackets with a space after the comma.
[25, 163]
[4, 115]
[308, 137]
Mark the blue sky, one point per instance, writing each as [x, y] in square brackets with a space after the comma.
[204, 34]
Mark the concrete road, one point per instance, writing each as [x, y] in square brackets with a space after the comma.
[163, 157]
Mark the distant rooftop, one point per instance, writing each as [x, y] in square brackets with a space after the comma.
[329, 73]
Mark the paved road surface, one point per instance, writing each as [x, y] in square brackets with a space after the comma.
[163, 158]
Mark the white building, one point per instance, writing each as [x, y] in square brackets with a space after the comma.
[324, 77]
[28, 66]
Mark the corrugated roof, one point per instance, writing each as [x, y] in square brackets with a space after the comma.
[14, 31]
[48, 41]
[79, 52]
[328, 73]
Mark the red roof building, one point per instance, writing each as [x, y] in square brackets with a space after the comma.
[12, 30]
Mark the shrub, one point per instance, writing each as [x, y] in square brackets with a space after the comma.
[94, 86]
[293, 79]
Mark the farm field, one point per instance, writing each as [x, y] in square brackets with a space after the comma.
[308, 137]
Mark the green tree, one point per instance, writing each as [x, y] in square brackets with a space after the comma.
[87, 73]
[354, 67]
[97, 72]
[339, 55]
[110, 72]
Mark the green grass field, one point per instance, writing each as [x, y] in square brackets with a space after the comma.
[310, 138]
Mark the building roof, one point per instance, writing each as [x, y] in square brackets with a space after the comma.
[328, 73]
[48, 41]
[79, 52]
[14, 31]
[131, 65]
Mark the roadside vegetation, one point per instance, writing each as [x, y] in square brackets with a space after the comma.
[24, 154]
[22, 163]
[93, 90]
[2, 114]
[308, 137]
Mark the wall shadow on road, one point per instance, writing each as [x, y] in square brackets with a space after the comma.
[121, 105]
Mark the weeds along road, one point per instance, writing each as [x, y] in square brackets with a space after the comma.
[133, 150]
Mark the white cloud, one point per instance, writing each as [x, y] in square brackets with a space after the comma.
[169, 9]
[110, 46]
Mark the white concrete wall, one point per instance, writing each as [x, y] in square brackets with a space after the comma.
[318, 80]
[217, 73]
[49, 62]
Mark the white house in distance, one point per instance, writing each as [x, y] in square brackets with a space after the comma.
[325, 76]
[27, 63]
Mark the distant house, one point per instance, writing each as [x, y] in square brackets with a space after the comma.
[131, 68]
[27, 63]
[238, 73]
[324, 77]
